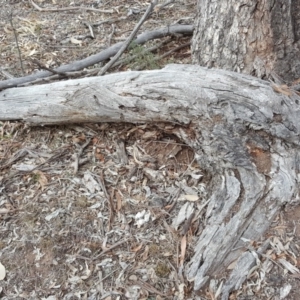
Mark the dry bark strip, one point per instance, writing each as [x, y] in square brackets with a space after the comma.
[186, 30]
[245, 135]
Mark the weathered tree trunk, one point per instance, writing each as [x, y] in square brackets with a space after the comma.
[255, 37]
[260, 38]
[244, 134]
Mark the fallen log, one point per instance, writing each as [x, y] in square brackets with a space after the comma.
[245, 136]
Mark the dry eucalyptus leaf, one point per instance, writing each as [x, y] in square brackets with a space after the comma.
[232, 265]
[191, 197]
[75, 41]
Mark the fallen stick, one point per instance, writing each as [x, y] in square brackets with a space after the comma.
[99, 57]
[129, 39]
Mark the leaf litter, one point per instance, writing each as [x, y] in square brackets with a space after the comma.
[78, 231]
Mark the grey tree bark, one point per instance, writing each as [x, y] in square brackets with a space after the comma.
[257, 37]
[245, 136]
[260, 38]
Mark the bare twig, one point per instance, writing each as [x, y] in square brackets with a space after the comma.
[129, 39]
[126, 60]
[69, 9]
[113, 27]
[17, 43]
[99, 57]
[102, 184]
[111, 209]
[77, 156]
[42, 66]
[109, 198]
[110, 248]
[89, 26]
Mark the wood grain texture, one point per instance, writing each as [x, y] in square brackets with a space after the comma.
[245, 135]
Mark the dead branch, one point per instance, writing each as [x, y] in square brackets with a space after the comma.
[43, 67]
[89, 26]
[186, 30]
[17, 42]
[77, 156]
[129, 39]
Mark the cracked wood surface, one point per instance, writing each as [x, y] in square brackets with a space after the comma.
[244, 134]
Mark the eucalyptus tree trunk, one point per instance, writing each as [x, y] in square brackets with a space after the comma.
[257, 37]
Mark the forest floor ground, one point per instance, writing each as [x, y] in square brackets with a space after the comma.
[94, 211]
